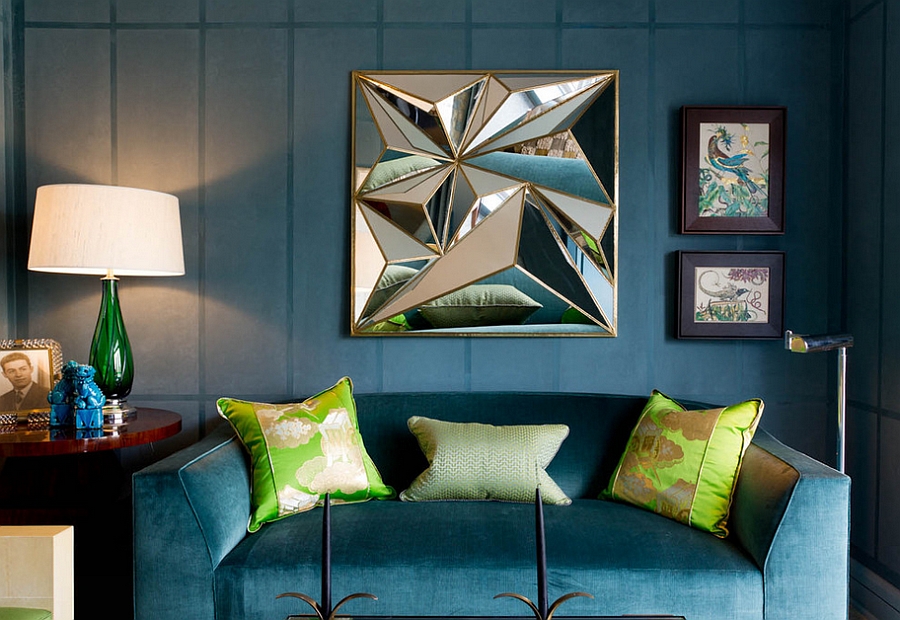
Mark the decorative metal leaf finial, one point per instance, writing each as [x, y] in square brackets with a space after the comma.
[325, 611]
[541, 611]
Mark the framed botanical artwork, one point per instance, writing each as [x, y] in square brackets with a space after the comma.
[28, 371]
[732, 170]
[731, 295]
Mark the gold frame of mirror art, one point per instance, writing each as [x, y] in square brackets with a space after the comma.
[484, 203]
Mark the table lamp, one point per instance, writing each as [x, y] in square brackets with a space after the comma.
[107, 231]
[797, 343]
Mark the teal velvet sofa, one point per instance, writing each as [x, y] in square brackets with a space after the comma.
[785, 559]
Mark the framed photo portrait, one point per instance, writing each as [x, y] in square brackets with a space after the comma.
[28, 371]
[733, 170]
[731, 295]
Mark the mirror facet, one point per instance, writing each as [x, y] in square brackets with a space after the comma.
[484, 203]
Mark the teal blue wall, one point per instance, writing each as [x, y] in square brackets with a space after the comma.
[241, 109]
[872, 290]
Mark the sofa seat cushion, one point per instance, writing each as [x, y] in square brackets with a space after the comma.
[451, 559]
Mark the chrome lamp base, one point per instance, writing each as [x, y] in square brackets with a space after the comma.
[117, 412]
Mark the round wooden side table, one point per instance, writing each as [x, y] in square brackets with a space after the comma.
[67, 477]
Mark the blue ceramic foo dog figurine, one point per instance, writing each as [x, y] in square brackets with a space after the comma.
[62, 413]
[76, 399]
[87, 399]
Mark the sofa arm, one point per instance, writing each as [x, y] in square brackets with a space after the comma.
[190, 510]
[792, 514]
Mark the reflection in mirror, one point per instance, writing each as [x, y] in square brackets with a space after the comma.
[485, 203]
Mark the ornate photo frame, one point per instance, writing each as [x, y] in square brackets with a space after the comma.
[28, 370]
[731, 295]
[733, 170]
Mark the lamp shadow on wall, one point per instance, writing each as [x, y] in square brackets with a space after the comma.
[238, 274]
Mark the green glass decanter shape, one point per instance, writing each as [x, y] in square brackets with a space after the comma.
[110, 349]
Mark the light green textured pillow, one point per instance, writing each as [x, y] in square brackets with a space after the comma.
[684, 464]
[480, 304]
[301, 451]
[385, 172]
[471, 461]
[392, 280]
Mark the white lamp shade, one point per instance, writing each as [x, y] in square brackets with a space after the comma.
[95, 229]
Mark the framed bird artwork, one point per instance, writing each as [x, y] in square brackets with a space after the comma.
[733, 170]
[731, 295]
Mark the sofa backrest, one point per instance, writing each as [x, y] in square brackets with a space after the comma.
[599, 426]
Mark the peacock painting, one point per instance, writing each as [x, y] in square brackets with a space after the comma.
[734, 170]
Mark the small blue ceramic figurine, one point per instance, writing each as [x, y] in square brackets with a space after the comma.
[60, 397]
[87, 399]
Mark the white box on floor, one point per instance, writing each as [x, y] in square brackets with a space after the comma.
[37, 568]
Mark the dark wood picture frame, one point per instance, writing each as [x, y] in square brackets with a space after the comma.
[740, 190]
[731, 295]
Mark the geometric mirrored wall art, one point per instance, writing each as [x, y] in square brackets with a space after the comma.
[484, 203]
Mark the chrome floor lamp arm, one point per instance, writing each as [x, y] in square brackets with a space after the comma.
[797, 343]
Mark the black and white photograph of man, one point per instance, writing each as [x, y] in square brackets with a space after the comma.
[22, 386]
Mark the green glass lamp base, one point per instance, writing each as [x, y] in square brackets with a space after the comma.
[111, 356]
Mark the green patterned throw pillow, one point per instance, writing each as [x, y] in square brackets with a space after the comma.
[472, 461]
[684, 464]
[301, 451]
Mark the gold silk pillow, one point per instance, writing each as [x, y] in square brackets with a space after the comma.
[684, 464]
[301, 451]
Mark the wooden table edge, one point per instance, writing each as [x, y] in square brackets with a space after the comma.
[148, 426]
